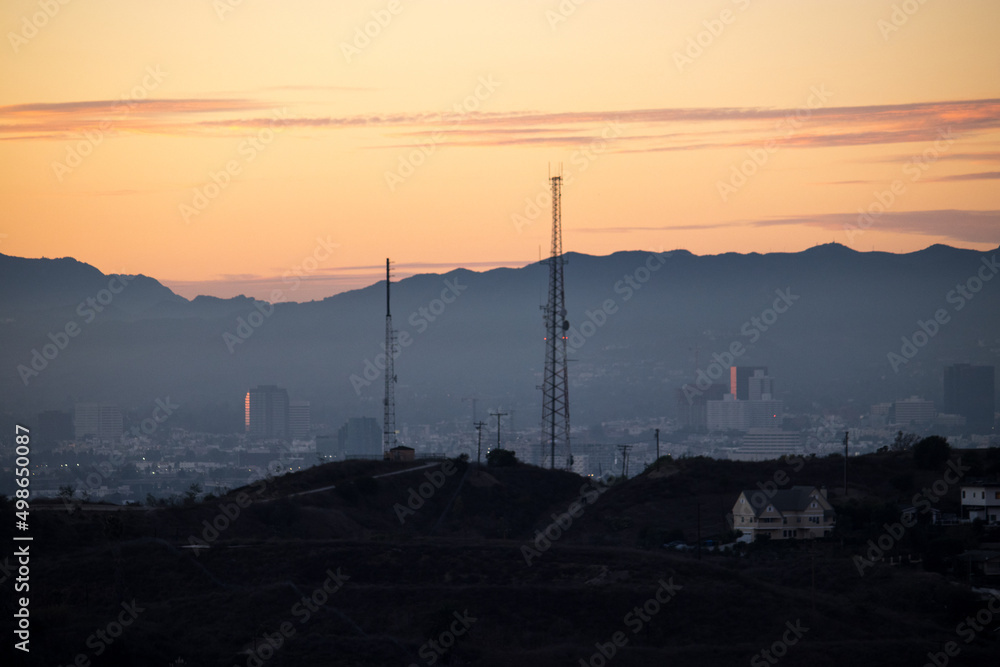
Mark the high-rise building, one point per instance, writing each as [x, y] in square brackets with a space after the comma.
[739, 380]
[266, 412]
[913, 410]
[732, 415]
[692, 408]
[760, 386]
[299, 422]
[98, 420]
[970, 391]
[360, 436]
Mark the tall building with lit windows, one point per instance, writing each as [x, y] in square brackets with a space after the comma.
[266, 412]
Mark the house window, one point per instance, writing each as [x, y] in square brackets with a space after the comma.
[963, 493]
[814, 505]
[997, 495]
[743, 501]
[770, 508]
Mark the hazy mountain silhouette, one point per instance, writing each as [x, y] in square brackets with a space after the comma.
[848, 311]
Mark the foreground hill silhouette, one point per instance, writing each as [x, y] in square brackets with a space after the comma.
[848, 311]
[457, 565]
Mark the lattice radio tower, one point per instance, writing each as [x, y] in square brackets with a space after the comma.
[555, 387]
[389, 416]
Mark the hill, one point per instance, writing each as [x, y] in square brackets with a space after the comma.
[324, 567]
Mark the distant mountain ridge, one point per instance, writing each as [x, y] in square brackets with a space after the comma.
[639, 320]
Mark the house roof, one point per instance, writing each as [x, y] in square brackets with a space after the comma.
[401, 447]
[795, 499]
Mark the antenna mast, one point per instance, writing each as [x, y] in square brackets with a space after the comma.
[555, 387]
[389, 416]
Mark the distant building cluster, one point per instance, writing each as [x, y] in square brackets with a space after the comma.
[269, 414]
[969, 404]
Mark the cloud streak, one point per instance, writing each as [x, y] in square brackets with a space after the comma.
[647, 130]
[959, 225]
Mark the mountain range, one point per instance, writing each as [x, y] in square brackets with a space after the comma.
[838, 330]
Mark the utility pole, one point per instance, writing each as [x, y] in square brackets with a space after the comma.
[846, 439]
[498, 415]
[657, 448]
[624, 450]
[479, 446]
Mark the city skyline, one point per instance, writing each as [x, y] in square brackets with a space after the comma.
[276, 147]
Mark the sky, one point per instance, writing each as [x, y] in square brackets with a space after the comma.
[283, 150]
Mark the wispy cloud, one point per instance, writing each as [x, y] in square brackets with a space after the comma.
[647, 130]
[958, 225]
[978, 176]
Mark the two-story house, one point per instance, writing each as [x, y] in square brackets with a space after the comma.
[797, 513]
[981, 500]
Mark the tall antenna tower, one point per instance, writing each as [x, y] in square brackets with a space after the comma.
[389, 416]
[555, 387]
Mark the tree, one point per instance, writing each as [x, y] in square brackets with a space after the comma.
[66, 492]
[499, 458]
[192, 493]
[903, 442]
[931, 452]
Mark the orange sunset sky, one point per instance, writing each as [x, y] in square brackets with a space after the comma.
[212, 144]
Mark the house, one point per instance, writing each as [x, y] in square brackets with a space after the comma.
[982, 562]
[401, 453]
[981, 500]
[797, 513]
